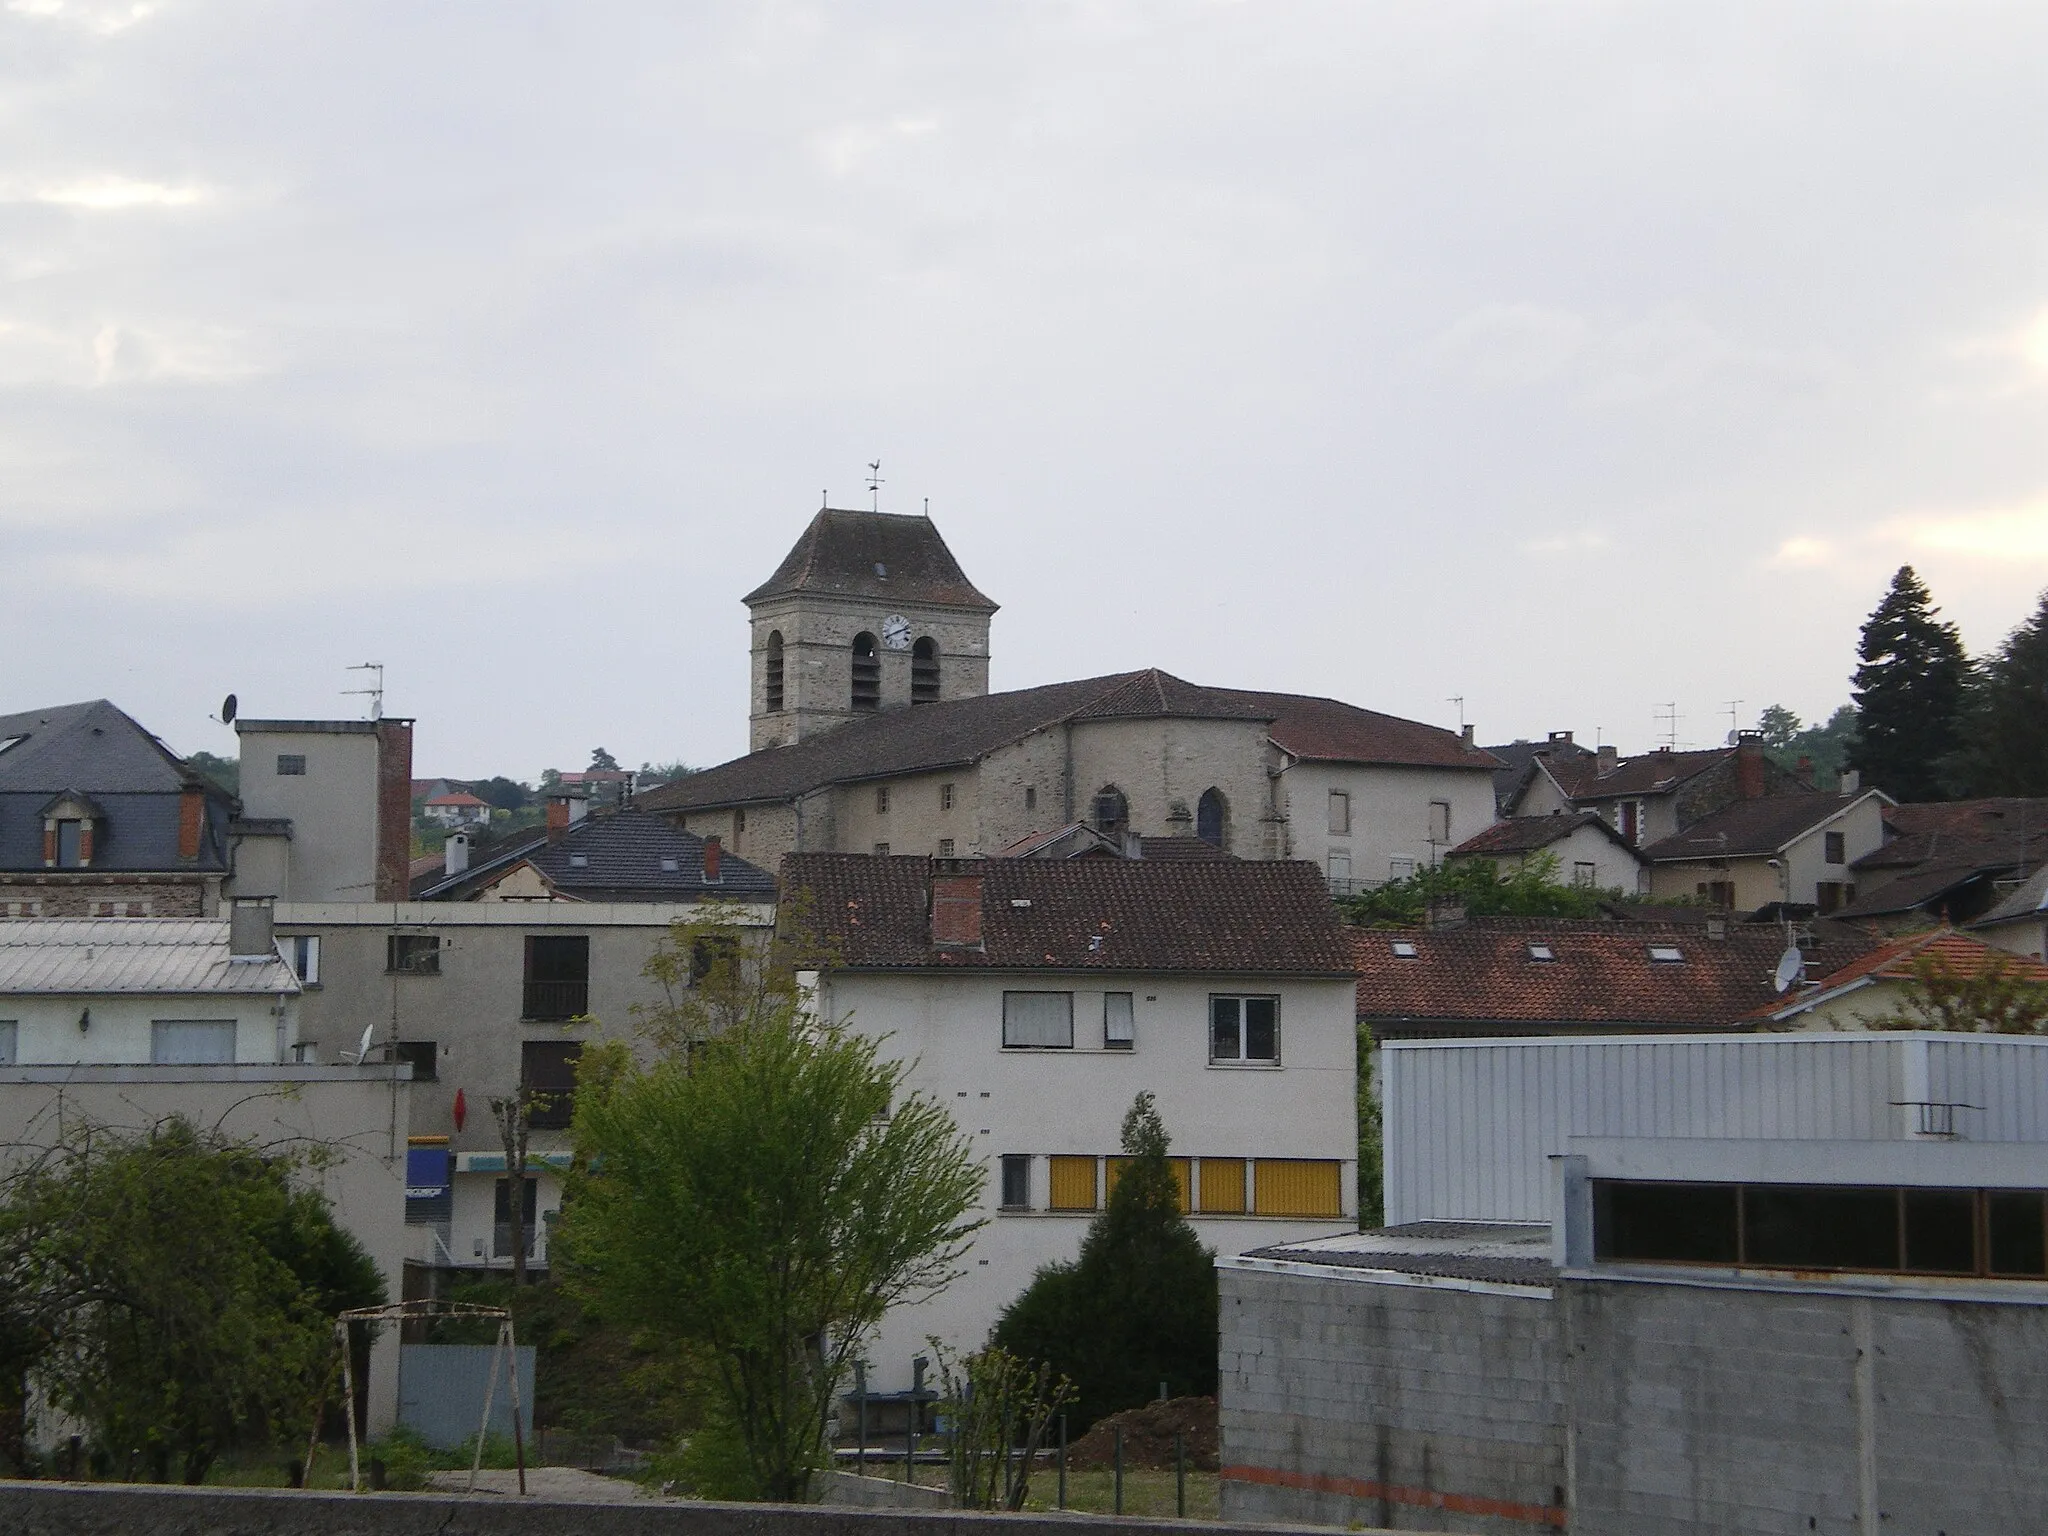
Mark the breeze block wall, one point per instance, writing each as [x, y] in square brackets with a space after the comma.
[1412, 1406]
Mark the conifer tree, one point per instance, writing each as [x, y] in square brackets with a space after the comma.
[1138, 1306]
[1908, 691]
[2003, 731]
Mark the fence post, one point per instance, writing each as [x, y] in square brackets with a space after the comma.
[1062, 1504]
[1119, 1469]
[860, 1397]
[1180, 1475]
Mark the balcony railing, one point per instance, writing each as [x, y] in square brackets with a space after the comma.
[556, 1000]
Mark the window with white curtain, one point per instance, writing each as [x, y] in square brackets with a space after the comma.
[1042, 1020]
[1119, 1030]
[191, 1042]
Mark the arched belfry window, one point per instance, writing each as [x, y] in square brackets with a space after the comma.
[1112, 811]
[924, 671]
[867, 673]
[772, 689]
[1212, 816]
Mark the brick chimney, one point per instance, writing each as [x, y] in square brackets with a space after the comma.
[1560, 738]
[566, 806]
[191, 820]
[394, 809]
[1749, 765]
[714, 851]
[956, 909]
[1610, 759]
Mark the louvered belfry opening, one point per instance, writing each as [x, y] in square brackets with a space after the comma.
[867, 673]
[772, 683]
[924, 671]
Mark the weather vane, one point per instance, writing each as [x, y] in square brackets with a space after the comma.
[875, 484]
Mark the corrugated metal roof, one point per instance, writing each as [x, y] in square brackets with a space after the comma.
[131, 954]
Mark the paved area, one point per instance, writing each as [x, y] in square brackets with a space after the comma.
[562, 1485]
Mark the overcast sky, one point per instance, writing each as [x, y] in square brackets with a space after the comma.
[1570, 359]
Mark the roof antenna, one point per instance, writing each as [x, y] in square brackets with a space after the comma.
[376, 688]
[927, 506]
[1734, 728]
[1667, 716]
[824, 498]
[875, 484]
[1459, 700]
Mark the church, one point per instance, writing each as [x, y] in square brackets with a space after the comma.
[874, 731]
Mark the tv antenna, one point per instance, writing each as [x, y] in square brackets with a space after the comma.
[875, 484]
[1668, 717]
[1459, 700]
[1734, 724]
[376, 689]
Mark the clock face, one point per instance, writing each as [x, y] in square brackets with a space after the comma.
[896, 632]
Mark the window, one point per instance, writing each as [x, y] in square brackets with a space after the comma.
[1072, 1184]
[9, 1036]
[1439, 821]
[1404, 949]
[413, 954]
[1827, 895]
[882, 848]
[291, 765]
[1718, 893]
[1220, 1186]
[709, 952]
[945, 797]
[1212, 817]
[547, 1081]
[1666, 954]
[191, 1042]
[1297, 1187]
[1631, 827]
[557, 976]
[302, 951]
[881, 800]
[421, 1056]
[1111, 810]
[867, 673]
[70, 843]
[1030, 797]
[501, 1216]
[1244, 1029]
[1340, 813]
[1340, 873]
[739, 825]
[1038, 1020]
[945, 847]
[771, 688]
[1400, 869]
[1119, 1028]
[579, 861]
[924, 671]
[1585, 873]
[1542, 952]
[1016, 1170]
[1837, 848]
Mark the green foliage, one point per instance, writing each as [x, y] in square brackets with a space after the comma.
[1372, 1154]
[1138, 1306]
[1530, 890]
[1786, 741]
[224, 771]
[999, 1408]
[173, 1291]
[2002, 736]
[503, 793]
[757, 1197]
[1908, 691]
[602, 761]
[1996, 1000]
[652, 775]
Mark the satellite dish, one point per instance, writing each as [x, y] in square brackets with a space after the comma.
[363, 1045]
[1791, 965]
[227, 710]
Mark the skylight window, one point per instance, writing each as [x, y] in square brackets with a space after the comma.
[579, 861]
[1403, 950]
[1542, 952]
[11, 741]
[1666, 954]
[668, 866]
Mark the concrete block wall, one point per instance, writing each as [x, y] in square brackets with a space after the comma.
[1414, 1407]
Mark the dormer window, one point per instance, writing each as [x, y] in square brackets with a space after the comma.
[70, 843]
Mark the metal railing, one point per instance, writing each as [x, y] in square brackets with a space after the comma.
[556, 1000]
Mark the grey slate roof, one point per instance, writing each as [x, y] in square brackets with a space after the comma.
[1529, 834]
[76, 956]
[623, 856]
[1498, 1252]
[1749, 828]
[96, 750]
[925, 737]
[880, 555]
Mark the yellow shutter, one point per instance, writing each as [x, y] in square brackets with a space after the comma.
[1297, 1187]
[1113, 1168]
[1223, 1186]
[1073, 1184]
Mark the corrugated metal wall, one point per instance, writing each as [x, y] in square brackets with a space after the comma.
[1469, 1126]
[441, 1391]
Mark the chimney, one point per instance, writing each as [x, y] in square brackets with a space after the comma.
[1468, 734]
[249, 929]
[1134, 846]
[1749, 765]
[455, 854]
[956, 909]
[558, 817]
[1560, 738]
[1803, 771]
[1443, 912]
[394, 809]
[714, 850]
[191, 820]
[1610, 759]
[1852, 781]
[1717, 928]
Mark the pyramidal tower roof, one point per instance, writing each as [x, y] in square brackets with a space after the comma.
[883, 555]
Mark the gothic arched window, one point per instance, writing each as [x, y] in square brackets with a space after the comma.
[1112, 811]
[772, 700]
[1212, 816]
[867, 673]
[924, 671]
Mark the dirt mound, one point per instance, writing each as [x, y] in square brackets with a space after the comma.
[1148, 1436]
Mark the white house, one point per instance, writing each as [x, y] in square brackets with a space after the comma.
[457, 808]
[1588, 851]
[1037, 998]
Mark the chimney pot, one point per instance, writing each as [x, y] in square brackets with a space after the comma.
[1469, 734]
[455, 854]
[714, 851]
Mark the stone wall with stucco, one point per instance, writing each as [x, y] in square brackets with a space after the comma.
[817, 659]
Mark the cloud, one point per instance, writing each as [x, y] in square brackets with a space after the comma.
[105, 20]
[111, 352]
[103, 194]
[1580, 541]
[1511, 344]
[849, 146]
[1802, 553]
[2013, 533]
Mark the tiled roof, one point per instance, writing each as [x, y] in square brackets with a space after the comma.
[1601, 975]
[1518, 762]
[1528, 834]
[881, 555]
[1927, 886]
[457, 797]
[1958, 954]
[956, 732]
[1751, 827]
[76, 956]
[1649, 774]
[1179, 848]
[623, 857]
[1219, 915]
[2029, 900]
